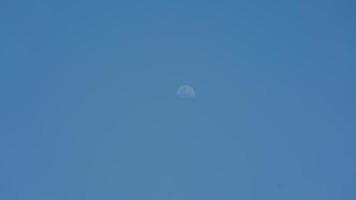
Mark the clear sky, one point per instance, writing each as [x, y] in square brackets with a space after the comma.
[88, 105]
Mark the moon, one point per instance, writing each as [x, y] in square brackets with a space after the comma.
[186, 92]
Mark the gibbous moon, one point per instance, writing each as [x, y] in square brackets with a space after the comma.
[186, 92]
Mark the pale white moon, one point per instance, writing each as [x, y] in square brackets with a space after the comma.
[186, 92]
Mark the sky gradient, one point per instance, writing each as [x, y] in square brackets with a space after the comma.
[88, 105]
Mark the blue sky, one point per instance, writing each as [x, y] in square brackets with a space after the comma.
[88, 105]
